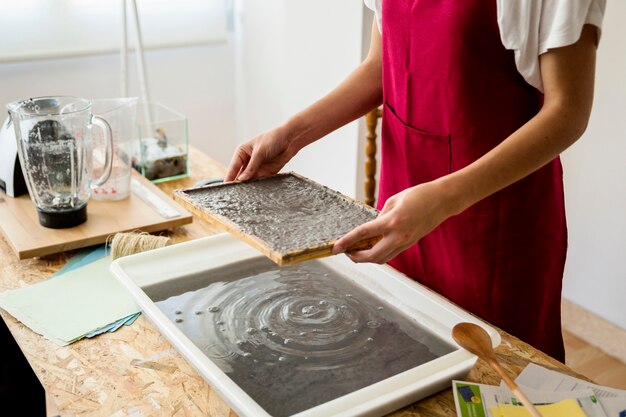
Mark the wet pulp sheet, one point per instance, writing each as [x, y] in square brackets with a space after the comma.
[286, 213]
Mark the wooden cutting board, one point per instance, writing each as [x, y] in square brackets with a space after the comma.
[20, 226]
[287, 217]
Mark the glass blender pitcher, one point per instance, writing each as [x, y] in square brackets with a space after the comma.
[54, 144]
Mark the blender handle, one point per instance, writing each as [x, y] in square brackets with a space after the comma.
[108, 143]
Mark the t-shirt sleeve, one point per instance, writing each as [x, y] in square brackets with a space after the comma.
[376, 6]
[532, 27]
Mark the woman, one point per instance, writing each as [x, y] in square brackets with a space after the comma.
[471, 192]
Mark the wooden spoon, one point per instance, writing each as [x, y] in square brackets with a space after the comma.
[476, 340]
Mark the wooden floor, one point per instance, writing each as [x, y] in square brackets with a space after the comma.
[593, 362]
[579, 355]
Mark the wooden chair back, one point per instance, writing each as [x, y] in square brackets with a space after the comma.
[371, 121]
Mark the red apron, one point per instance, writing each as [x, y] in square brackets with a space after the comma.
[451, 94]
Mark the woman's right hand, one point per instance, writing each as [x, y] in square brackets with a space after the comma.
[264, 155]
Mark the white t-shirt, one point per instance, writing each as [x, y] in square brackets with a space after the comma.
[531, 27]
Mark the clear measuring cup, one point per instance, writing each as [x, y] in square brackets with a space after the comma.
[120, 115]
[55, 148]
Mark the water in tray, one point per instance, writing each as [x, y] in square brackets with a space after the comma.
[295, 337]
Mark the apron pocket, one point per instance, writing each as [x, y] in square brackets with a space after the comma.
[412, 155]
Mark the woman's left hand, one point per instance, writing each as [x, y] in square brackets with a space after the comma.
[405, 219]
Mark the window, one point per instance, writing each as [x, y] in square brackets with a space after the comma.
[37, 29]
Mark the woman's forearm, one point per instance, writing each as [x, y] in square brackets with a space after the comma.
[568, 75]
[359, 93]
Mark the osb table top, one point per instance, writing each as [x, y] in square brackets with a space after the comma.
[135, 370]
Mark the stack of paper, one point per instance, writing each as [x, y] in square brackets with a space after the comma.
[553, 393]
[82, 300]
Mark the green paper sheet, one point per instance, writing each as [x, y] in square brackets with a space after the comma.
[69, 306]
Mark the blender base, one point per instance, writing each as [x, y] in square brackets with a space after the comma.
[64, 219]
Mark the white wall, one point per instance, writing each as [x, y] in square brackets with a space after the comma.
[290, 53]
[196, 81]
[595, 185]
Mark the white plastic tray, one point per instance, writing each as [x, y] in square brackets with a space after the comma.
[416, 302]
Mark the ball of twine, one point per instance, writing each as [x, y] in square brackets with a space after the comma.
[123, 244]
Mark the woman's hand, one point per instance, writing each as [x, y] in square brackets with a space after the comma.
[262, 156]
[405, 219]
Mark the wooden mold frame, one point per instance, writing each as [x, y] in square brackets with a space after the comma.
[281, 258]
